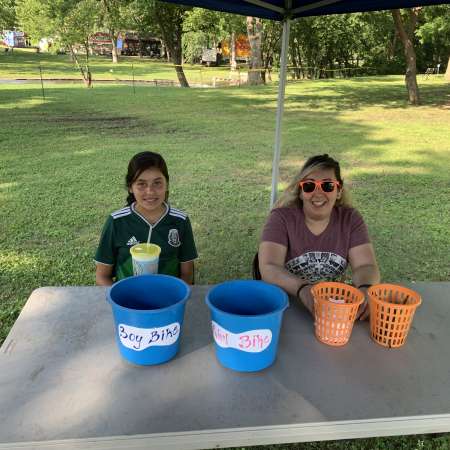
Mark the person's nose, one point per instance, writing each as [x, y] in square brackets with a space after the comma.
[319, 191]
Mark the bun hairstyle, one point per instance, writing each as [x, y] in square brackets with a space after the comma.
[138, 164]
[291, 196]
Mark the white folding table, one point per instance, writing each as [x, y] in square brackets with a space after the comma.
[63, 383]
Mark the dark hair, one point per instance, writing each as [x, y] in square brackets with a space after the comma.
[324, 162]
[141, 162]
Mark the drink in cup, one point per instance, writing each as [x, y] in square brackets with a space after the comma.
[145, 258]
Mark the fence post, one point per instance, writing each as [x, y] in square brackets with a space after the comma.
[42, 82]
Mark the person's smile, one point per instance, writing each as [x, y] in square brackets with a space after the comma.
[151, 201]
[319, 203]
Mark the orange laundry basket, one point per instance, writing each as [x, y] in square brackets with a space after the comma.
[335, 308]
[392, 310]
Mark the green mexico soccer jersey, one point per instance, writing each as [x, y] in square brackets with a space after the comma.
[126, 227]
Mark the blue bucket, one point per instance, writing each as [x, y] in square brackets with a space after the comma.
[148, 314]
[246, 320]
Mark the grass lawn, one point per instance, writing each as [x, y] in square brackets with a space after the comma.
[63, 162]
[22, 63]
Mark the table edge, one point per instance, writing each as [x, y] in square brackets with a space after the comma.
[230, 437]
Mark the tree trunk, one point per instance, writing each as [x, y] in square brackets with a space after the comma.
[293, 52]
[181, 76]
[447, 72]
[269, 69]
[164, 51]
[115, 58]
[85, 72]
[233, 63]
[301, 70]
[390, 53]
[406, 36]
[171, 33]
[254, 32]
[330, 69]
[177, 59]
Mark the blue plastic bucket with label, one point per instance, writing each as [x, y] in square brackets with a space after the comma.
[148, 315]
[246, 318]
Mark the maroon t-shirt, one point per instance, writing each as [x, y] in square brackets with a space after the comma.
[316, 258]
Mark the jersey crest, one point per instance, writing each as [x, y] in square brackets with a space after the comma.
[174, 238]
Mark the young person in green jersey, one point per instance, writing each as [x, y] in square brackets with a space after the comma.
[147, 215]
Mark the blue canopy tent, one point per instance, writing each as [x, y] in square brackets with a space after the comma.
[285, 11]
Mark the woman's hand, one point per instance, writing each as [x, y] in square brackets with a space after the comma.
[271, 265]
[272, 258]
[306, 297]
[363, 310]
[364, 272]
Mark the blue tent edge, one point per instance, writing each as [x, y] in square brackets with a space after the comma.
[313, 8]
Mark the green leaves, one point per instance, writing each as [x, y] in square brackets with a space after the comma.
[7, 14]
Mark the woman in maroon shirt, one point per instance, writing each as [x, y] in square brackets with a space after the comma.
[313, 234]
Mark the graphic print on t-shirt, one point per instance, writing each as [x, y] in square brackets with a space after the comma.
[315, 266]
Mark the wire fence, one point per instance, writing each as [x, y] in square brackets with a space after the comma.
[196, 76]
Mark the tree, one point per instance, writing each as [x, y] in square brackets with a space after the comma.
[7, 14]
[434, 33]
[72, 22]
[405, 28]
[255, 37]
[166, 20]
[76, 28]
[382, 52]
[205, 28]
[34, 16]
[202, 28]
[326, 46]
[111, 17]
[270, 47]
[169, 19]
[138, 16]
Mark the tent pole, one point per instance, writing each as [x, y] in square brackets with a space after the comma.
[280, 108]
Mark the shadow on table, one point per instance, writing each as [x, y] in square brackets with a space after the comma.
[361, 380]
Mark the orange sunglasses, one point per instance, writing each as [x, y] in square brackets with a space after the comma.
[310, 186]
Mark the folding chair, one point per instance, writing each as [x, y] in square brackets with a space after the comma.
[255, 268]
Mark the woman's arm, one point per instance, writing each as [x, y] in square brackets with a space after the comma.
[271, 265]
[187, 272]
[103, 274]
[364, 272]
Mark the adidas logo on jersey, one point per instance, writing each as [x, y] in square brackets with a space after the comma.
[132, 241]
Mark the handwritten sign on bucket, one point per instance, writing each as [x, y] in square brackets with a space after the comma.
[142, 338]
[253, 341]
